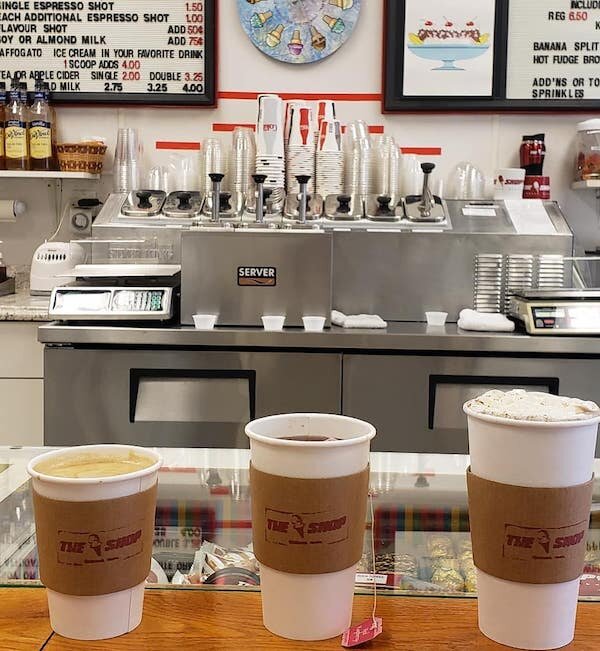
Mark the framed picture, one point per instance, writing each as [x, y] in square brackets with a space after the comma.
[494, 55]
[444, 54]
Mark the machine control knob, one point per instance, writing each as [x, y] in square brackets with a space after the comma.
[144, 199]
[184, 201]
[224, 204]
[383, 207]
[303, 179]
[215, 177]
[344, 203]
[427, 167]
[259, 178]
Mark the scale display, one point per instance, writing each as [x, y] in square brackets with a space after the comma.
[111, 303]
[125, 51]
[571, 317]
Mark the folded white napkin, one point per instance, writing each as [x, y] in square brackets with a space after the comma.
[357, 320]
[484, 322]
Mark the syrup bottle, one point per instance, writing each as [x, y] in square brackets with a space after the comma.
[15, 131]
[2, 120]
[40, 130]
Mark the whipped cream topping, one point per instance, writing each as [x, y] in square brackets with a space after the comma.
[532, 405]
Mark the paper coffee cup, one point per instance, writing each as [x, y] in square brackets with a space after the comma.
[95, 616]
[535, 455]
[509, 183]
[310, 606]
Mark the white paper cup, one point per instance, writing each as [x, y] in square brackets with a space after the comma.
[313, 323]
[509, 183]
[538, 455]
[103, 616]
[273, 323]
[308, 606]
[204, 321]
[436, 318]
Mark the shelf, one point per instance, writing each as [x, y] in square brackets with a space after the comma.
[20, 174]
[586, 185]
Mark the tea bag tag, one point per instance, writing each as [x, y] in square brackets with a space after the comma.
[363, 632]
[372, 627]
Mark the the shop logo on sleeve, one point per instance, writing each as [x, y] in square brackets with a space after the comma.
[283, 528]
[89, 547]
[257, 276]
[532, 544]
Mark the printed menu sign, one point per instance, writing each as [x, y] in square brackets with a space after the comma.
[128, 51]
[554, 50]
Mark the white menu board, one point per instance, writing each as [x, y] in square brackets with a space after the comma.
[553, 50]
[129, 51]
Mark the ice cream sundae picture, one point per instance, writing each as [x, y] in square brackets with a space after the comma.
[448, 41]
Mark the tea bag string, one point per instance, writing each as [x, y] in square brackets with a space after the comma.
[373, 558]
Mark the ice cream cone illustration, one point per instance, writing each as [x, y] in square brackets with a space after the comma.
[273, 38]
[259, 19]
[342, 4]
[318, 41]
[336, 25]
[295, 46]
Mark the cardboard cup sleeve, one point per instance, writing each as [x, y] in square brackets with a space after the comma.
[95, 548]
[528, 535]
[308, 526]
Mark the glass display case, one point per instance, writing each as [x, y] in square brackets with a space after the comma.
[203, 534]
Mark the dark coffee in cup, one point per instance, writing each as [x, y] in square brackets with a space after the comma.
[311, 439]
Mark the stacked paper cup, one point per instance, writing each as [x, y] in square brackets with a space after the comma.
[269, 141]
[309, 485]
[330, 159]
[530, 488]
[300, 153]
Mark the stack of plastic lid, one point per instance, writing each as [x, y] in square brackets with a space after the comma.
[330, 159]
[300, 152]
[269, 141]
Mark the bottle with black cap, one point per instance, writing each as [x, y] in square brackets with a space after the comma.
[15, 131]
[2, 121]
[40, 129]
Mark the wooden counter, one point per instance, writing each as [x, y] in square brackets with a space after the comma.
[227, 621]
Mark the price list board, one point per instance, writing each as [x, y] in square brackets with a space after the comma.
[543, 55]
[554, 51]
[119, 51]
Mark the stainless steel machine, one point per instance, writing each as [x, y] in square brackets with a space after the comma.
[242, 274]
[162, 383]
[393, 266]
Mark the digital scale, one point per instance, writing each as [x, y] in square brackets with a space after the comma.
[118, 292]
[557, 311]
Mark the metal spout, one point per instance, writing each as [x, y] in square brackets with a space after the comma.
[216, 195]
[427, 200]
[260, 179]
[302, 197]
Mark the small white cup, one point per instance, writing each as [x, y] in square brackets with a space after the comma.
[436, 318]
[204, 321]
[313, 323]
[273, 323]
